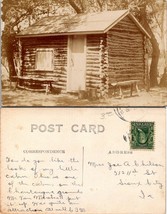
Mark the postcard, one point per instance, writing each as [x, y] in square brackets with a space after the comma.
[84, 53]
[83, 160]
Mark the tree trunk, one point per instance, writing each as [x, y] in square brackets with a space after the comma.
[155, 56]
[154, 62]
[10, 56]
[163, 33]
[9, 49]
[155, 49]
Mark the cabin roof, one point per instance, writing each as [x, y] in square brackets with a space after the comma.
[90, 23]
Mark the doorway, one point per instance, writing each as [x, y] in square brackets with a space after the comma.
[76, 77]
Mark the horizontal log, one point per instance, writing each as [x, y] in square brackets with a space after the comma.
[126, 46]
[119, 78]
[61, 81]
[55, 85]
[120, 27]
[124, 32]
[126, 28]
[60, 63]
[91, 49]
[126, 56]
[58, 83]
[119, 53]
[88, 58]
[92, 72]
[93, 79]
[123, 44]
[90, 52]
[60, 75]
[125, 71]
[116, 36]
[29, 55]
[93, 44]
[128, 64]
[127, 22]
[60, 72]
[125, 59]
[116, 63]
[94, 83]
[92, 65]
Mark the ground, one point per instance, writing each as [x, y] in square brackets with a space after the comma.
[17, 97]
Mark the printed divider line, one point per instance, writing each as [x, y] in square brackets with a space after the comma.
[82, 166]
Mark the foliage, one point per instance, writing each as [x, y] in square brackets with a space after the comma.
[17, 15]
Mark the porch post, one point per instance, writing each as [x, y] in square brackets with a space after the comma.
[19, 58]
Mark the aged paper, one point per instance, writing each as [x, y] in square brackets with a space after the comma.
[100, 160]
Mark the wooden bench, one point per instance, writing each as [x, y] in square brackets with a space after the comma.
[130, 83]
[47, 82]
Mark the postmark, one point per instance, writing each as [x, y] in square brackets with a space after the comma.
[142, 135]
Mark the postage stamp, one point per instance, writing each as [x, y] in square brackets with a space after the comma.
[142, 135]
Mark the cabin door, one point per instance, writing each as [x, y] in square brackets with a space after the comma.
[76, 63]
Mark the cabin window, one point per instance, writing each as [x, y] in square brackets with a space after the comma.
[44, 59]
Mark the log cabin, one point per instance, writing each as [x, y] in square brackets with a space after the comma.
[85, 52]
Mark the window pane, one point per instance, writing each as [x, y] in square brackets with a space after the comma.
[44, 59]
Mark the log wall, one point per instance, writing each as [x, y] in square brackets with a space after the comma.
[96, 63]
[59, 44]
[126, 52]
[118, 55]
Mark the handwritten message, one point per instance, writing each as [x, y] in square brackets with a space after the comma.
[45, 184]
[55, 182]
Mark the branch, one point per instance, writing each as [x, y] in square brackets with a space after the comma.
[117, 4]
[20, 18]
[74, 6]
[156, 17]
[100, 4]
[82, 5]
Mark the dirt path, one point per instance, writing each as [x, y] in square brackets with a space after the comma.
[10, 97]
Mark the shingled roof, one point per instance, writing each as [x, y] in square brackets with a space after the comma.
[90, 23]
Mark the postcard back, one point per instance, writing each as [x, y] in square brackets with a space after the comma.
[100, 160]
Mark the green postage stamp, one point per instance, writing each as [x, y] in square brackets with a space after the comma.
[142, 135]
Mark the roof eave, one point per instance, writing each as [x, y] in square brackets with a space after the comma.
[60, 34]
[90, 32]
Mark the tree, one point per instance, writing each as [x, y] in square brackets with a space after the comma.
[16, 15]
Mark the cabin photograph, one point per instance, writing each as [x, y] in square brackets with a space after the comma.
[95, 58]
